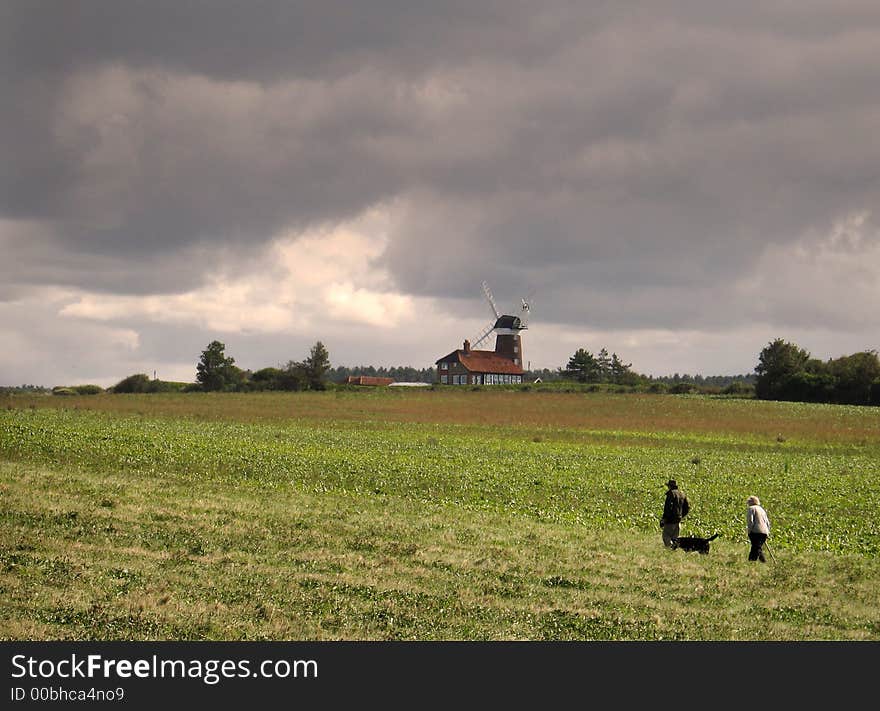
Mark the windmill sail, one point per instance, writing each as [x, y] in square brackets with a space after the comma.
[491, 300]
[526, 309]
[483, 335]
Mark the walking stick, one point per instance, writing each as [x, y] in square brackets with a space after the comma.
[767, 546]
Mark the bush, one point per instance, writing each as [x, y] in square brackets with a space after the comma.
[24, 390]
[141, 383]
[88, 389]
[267, 379]
[59, 390]
[167, 386]
[137, 383]
[737, 387]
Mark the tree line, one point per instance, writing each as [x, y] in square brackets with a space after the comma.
[785, 371]
[585, 367]
[24, 389]
[217, 372]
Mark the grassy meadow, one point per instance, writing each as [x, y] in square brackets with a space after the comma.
[432, 514]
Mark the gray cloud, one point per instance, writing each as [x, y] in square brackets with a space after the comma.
[632, 163]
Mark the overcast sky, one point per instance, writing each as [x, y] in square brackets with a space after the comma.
[678, 182]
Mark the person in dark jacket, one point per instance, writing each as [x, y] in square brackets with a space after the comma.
[675, 508]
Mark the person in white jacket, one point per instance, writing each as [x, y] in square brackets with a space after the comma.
[758, 527]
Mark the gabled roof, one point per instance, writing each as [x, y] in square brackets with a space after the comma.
[483, 362]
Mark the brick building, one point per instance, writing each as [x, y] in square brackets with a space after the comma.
[466, 366]
[368, 380]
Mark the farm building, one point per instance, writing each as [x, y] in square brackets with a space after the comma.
[368, 380]
[466, 366]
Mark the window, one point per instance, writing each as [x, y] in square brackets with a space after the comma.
[444, 366]
[444, 379]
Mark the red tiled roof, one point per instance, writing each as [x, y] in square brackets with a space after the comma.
[483, 362]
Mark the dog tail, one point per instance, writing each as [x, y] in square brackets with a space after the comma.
[712, 538]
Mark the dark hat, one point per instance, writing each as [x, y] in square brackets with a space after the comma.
[671, 484]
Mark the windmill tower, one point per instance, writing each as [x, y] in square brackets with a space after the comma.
[507, 328]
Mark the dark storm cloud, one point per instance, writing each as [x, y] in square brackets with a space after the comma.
[262, 40]
[624, 160]
[172, 171]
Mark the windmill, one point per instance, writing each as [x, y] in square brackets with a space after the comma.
[507, 328]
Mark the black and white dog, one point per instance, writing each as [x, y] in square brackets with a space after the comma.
[694, 543]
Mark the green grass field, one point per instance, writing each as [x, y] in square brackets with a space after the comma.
[449, 514]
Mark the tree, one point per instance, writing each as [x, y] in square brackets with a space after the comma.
[317, 365]
[267, 378]
[294, 376]
[874, 393]
[854, 376]
[216, 371]
[603, 361]
[620, 371]
[807, 386]
[583, 367]
[777, 363]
